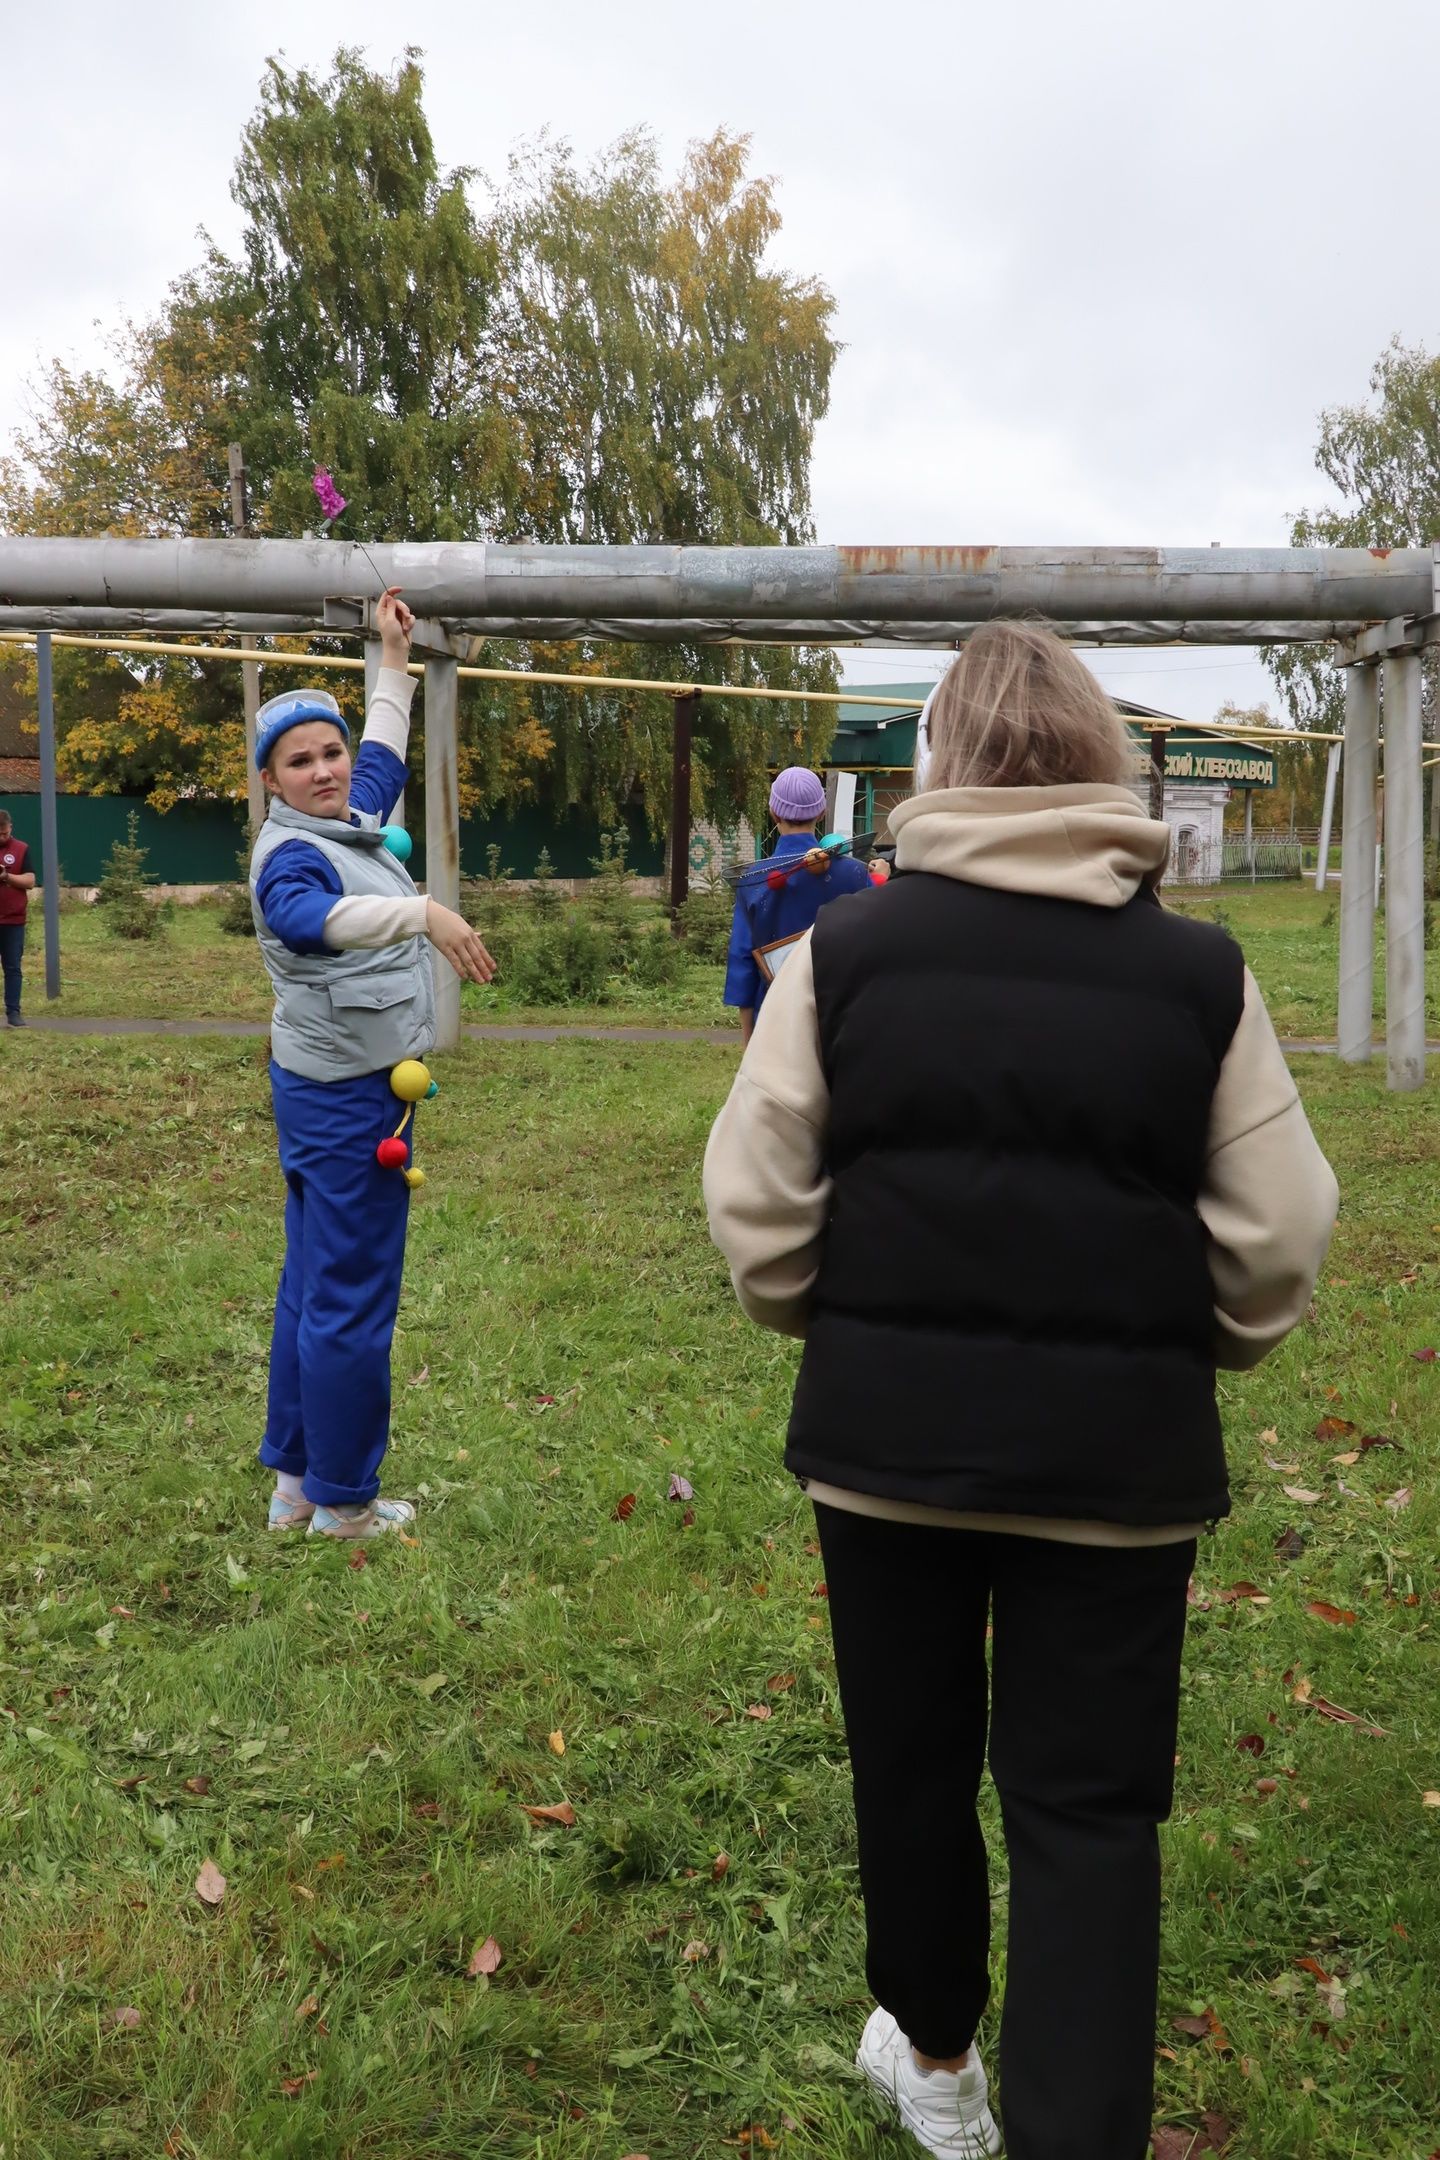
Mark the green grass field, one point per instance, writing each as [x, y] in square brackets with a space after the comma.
[355, 1747]
[1290, 934]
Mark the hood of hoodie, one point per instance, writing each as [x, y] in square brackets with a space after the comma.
[1092, 843]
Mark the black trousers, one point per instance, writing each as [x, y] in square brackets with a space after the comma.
[1082, 1708]
[12, 947]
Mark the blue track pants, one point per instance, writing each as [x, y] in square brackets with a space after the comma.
[345, 1221]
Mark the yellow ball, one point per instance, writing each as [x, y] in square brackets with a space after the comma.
[414, 1179]
[409, 1080]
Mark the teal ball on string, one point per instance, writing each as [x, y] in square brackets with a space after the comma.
[397, 840]
[432, 1091]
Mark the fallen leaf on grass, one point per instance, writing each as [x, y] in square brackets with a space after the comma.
[821, 1590]
[406, 1539]
[488, 1958]
[335, 1859]
[210, 1884]
[1335, 1714]
[292, 2087]
[1425, 1357]
[200, 1785]
[1399, 1500]
[419, 1378]
[1246, 1591]
[308, 2008]
[431, 1685]
[427, 1810]
[1204, 2027]
[1351, 1456]
[359, 1558]
[687, 1520]
[779, 1682]
[1430, 1799]
[125, 2019]
[1333, 1428]
[1301, 1493]
[1379, 1439]
[1251, 1743]
[1286, 1469]
[1321, 1611]
[1290, 1544]
[1173, 2143]
[556, 1743]
[624, 1508]
[694, 1951]
[560, 1812]
[721, 1867]
[680, 1488]
[122, 1612]
[759, 1710]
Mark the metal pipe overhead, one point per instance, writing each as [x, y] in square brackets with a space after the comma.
[670, 584]
[697, 630]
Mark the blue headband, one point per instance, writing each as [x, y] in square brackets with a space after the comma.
[289, 710]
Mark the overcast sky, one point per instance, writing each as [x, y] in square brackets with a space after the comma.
[1098, 266]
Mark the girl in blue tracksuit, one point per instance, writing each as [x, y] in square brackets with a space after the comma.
[765, 914]
[343, 933]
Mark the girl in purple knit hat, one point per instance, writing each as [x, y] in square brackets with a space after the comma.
[772, 913]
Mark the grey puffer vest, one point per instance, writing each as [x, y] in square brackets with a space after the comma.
[338, 1015]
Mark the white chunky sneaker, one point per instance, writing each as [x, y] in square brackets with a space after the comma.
[372, 1521]
[946, 2111]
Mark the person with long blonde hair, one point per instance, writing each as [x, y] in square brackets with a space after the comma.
[1016, 1153]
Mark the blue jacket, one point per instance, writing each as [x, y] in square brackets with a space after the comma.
[762, 916]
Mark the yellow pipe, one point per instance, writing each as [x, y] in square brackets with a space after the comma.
[161, 648]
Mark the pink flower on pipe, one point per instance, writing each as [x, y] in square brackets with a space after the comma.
[332, 502]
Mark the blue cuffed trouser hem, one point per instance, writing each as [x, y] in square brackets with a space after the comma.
[328, 1419]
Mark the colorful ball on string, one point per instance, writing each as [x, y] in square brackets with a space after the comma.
[775, 879]
[880, 872]
[432, 1091]
[410, 1080]
[397, 841]
[414, 1179]
[392, 1154]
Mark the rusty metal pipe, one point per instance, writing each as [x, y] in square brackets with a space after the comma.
[753, 585]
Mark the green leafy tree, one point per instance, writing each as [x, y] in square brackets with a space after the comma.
[1383, 459]
[610, 356]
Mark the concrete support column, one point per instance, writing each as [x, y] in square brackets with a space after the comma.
[1327, 816]
[442, 828]
[49, 816]
[1404, 875]
[1357, 859]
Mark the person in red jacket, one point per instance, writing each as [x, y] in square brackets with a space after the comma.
[17, 882]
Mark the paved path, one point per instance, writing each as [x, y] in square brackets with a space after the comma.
[496, 1031]
[491, 1031]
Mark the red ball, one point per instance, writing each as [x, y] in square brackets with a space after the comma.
[775, 879]
[880, 873]
[392, 1154]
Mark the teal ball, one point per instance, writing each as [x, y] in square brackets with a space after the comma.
[432, 1091]
[397, 840]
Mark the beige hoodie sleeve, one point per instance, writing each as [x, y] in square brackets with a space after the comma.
[1269, 1198]
[766, 1190]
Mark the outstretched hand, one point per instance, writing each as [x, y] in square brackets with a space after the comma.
[451, 935]
[395, 622]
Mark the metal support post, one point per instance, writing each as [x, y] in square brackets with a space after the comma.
[1327, 816]
[1357, 864]
[249, 670]
[1404, 875]
[1250, 832]
[442, 828]
[49, 822]
[686, 708]
[1157, 774]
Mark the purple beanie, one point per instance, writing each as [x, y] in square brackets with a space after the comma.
[797, 796]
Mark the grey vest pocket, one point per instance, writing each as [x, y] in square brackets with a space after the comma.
[370, 993]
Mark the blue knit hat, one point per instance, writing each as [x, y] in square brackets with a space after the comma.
[797, 796]
[289, 710]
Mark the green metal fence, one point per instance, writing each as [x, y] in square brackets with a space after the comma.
[197, 843]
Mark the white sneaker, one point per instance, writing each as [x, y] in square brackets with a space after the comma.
[373, 1521]
[946, 2111]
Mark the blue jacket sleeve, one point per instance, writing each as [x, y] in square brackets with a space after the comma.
[377, 780]
[296, 890]
[742, 977]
